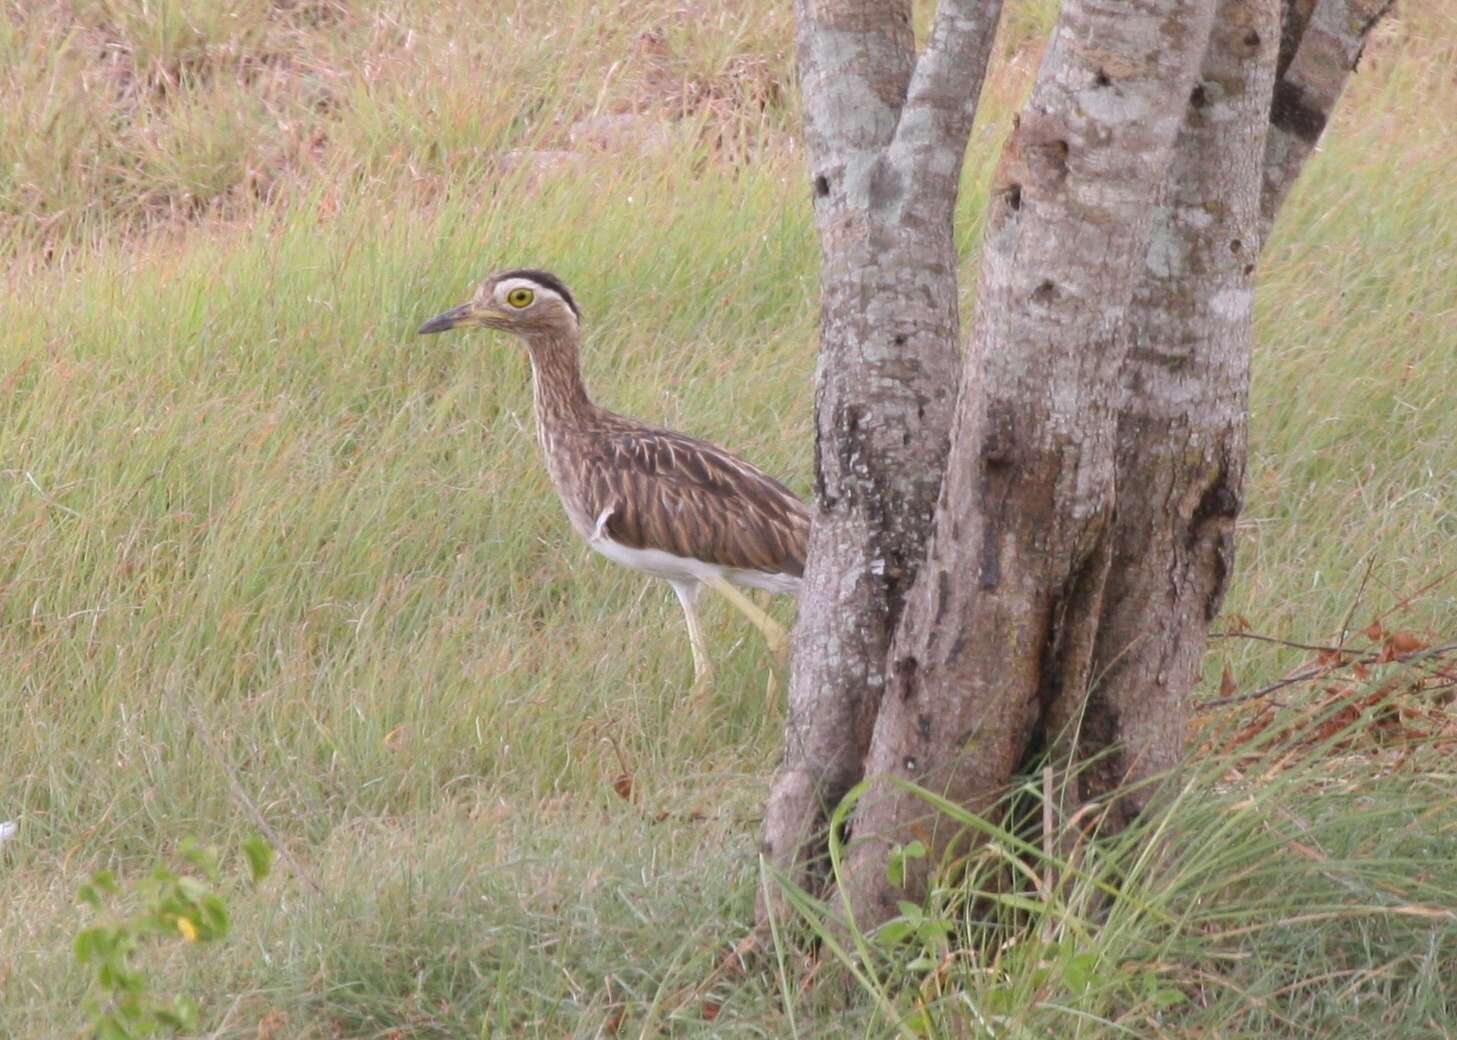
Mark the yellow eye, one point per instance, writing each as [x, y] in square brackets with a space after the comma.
[520, 297]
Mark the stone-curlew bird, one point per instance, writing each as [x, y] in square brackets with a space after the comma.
[657, 501]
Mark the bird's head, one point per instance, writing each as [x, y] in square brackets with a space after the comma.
[522, 300]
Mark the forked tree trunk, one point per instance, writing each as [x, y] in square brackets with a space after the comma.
[1000, 627]
[1082, 540]
[885, 132]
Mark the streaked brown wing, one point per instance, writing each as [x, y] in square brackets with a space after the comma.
[685, 496]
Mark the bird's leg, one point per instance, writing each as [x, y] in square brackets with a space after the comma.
[774, 633]
[688, 598]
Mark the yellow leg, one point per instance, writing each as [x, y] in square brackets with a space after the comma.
[774, 633]
[688, 599]
[771, 689]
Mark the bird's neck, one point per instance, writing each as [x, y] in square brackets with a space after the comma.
[556, 379]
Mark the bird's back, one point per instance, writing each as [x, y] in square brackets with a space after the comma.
[648, 488]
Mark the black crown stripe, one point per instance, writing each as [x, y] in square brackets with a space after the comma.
[545, 279]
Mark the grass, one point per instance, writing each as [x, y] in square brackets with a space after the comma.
[257, 535]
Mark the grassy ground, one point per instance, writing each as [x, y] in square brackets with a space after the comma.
[264, 552]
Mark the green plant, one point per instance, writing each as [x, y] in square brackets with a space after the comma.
[167, 905]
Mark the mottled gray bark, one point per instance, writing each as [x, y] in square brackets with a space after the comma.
[885, 132]
[1252, 122]
[1321, 43]
[1082, 538]
[1181, 430]
[1001, 621]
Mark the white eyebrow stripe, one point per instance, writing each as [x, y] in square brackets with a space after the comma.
[509, 284]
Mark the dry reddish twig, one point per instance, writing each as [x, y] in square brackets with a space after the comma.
[1388, 686]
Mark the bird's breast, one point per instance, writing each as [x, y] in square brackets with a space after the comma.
[565, 469]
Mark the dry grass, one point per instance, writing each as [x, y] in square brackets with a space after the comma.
[130, 115]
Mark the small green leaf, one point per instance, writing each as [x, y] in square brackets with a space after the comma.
[214, 917]
[894, 932]
[87, 948]
[1168, 997]
[1080, 972]
[932, 931]
[260, 857]
[895, 867]
[105, 880]
[924, 965]
[895, 870]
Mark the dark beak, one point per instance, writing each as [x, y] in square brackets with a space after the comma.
[449, 320]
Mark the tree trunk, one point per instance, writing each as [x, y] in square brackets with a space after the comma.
[1183, 425]
[885, 134]
[1083, 535]
[999, 628]
[1320, 45]
[1181, 431]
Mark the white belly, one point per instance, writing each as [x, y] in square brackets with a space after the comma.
[660, 564]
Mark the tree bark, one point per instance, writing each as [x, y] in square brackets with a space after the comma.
[999, 627]
[1092, 473]
[885, 133]
[1182, 427]
[1252, 122]
[1321, 43]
